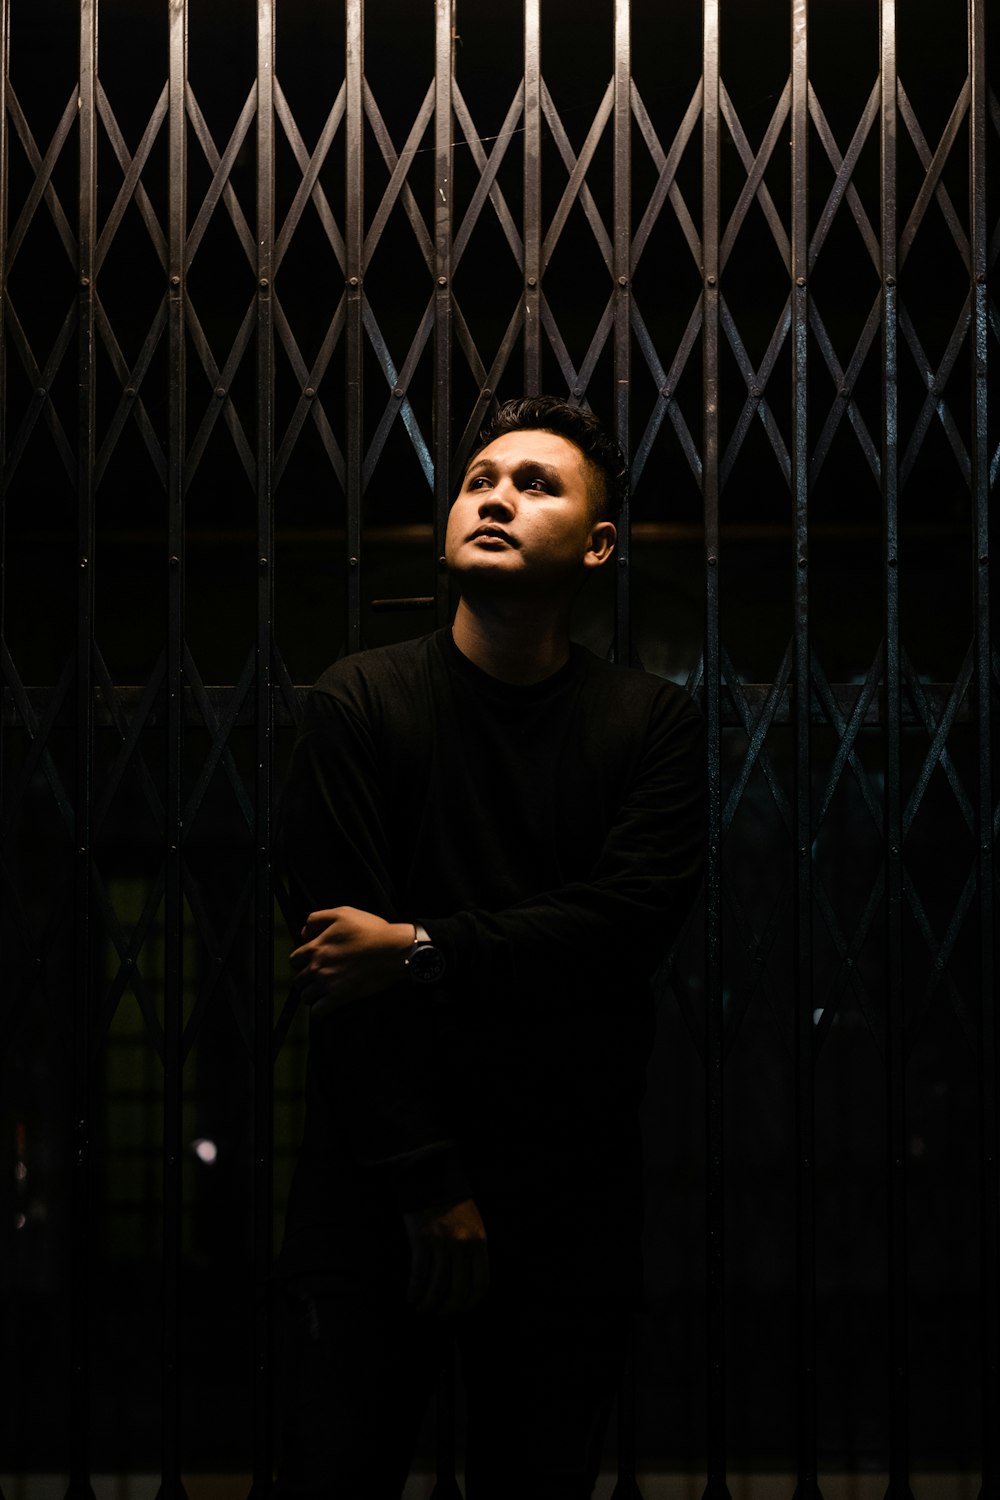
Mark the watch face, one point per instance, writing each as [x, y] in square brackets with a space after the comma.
[426, 964]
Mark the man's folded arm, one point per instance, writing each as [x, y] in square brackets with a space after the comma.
[374, 1070]
[625, 915]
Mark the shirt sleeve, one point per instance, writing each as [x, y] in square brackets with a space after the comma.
[373, 1072]
[619, 922]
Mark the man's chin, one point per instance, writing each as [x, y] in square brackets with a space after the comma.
[504, 576]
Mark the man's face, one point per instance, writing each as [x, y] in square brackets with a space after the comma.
[524, 516]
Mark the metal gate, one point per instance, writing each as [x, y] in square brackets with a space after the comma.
[265, 267]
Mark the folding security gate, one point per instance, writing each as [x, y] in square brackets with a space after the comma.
[266, 267]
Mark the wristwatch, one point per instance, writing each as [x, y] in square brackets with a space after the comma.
[425, 964]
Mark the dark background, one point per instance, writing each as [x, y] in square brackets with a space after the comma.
[96, 1254]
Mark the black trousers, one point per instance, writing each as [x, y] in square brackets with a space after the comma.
[540, 1367]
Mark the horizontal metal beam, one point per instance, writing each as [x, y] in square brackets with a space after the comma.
[845, 695]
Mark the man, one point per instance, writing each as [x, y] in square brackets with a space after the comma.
[492, 837]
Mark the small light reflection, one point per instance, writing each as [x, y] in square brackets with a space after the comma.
[19, 1221]
[206, 1151]
[20, 1171]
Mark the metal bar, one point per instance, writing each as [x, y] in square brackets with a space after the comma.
[807, 1487]
[354, 269]
[444, 61]
[4, 159]
[990, 1139]
[83, 999]
[899, 1488]
[173, 1013]
[446, 1484]
[263, 1125]
[627, 1487]
[716, 1487]
[532, 198]
[841, 698]
[622, 273]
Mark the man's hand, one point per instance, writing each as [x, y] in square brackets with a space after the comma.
[347, 954]
[450, 1270]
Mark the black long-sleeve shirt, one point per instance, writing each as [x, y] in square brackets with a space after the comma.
[550, 838]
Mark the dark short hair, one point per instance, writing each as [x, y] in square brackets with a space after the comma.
[578, 426]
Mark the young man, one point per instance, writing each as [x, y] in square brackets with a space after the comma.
[492, 838]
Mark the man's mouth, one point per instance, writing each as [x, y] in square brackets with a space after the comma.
[492, 533]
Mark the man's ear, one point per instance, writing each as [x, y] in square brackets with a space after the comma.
[602, 543]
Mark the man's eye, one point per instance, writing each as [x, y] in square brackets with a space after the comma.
[536, 484]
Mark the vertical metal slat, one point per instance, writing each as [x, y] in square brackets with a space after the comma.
[444, 57]
[353, 245]
[990, 1144]
[4, 75]
[80, 1343]
[532, 198]
[263, 898]
[173, 999]
[807, 1487]
[899, 1488]
[446, 1486]
[622, 270]
[716, 1487]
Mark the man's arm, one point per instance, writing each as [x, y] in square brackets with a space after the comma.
[620, 920]
[380, 1075]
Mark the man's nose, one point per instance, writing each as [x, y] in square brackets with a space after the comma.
[498, 500]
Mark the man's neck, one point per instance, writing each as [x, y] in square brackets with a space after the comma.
[516, 641]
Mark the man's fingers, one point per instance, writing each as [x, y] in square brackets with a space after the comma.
[419, 1272]
[438, 1283]
[449, 1277]
[457, 1297]
[479, 1279]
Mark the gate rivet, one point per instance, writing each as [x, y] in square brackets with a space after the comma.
[352, 562]
[800, 281]
[623, 281]
[264, 281]
[397, 391]
[84, 280]
[309, 392]
[130, 391]
[40, 390]
[890, 281]
[220, 391]
[980, 278]
[532, 280]
[353, 281]
[175, 562]
[175, 281]
[262, 561]
[710, 280]
[442, 281]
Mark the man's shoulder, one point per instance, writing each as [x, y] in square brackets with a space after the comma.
[632, 690]
[376, 664]
[368, 684]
